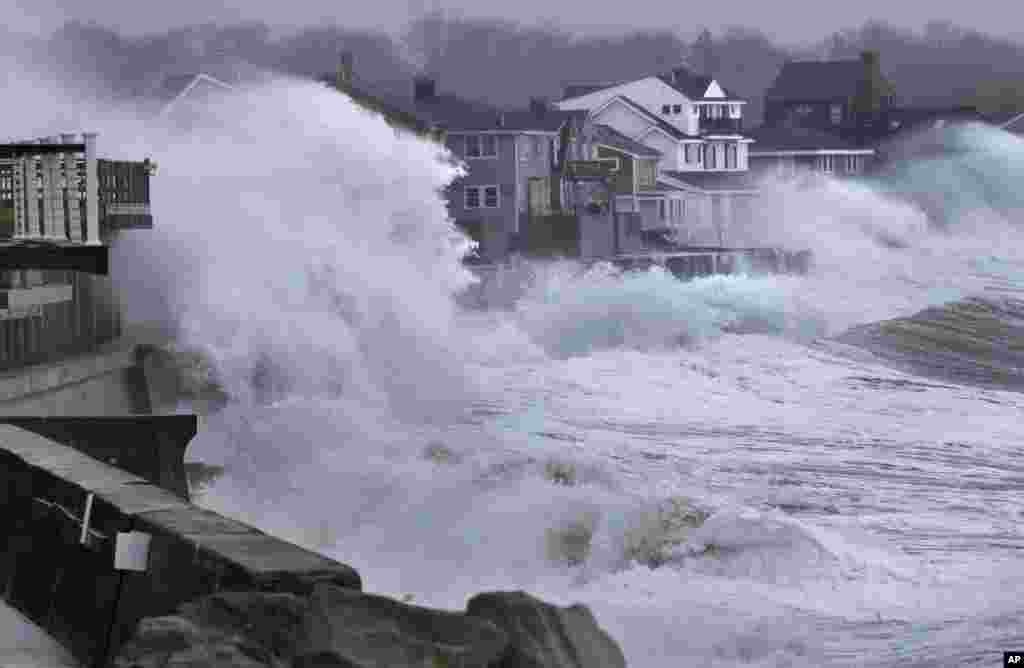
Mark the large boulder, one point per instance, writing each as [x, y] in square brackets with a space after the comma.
[357, 630]
[542, 635]
[173, 640]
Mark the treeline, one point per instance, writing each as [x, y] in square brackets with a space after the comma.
[505, 63]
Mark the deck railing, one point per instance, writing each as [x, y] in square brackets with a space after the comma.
[57, 190]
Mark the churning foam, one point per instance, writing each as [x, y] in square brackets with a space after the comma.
[580, 446]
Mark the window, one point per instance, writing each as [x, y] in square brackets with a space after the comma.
[677, 109]
[827, 163]
[485, 195]
[852, 164]
[481, 146]
[836, 114]
[645, 178]
[538, 146]
[665, 108]
[730, 156]
[689, 151]
[734, 110]
[804, 109]
[661, 209]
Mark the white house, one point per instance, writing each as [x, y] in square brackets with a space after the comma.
[697, 127]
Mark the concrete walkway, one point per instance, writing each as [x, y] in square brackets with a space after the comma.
[25, 645]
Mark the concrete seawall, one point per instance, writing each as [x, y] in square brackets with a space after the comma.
[64, 578]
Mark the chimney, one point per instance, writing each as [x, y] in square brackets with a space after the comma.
[423, 88]
[343, 77]
[539, 106]
[868, 100]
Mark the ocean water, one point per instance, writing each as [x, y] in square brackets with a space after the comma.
[741, 470]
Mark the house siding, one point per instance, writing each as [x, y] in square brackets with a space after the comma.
[497, 225]
[622, 182]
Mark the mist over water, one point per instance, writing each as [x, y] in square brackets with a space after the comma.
[699, 462]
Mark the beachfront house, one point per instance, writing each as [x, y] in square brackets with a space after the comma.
[701, 177]
[785, 150]
[844, 97]
[851, 100]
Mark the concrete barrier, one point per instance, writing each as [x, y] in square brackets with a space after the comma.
[63, 513]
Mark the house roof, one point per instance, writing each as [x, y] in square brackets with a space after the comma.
[172, 89]
[693, 85]
[454, 113]
[819, 80]
[516, 120]
[662, 124]
[795, 138]
[716, 181]
[609, 136]
[681, 78]
[572, 90]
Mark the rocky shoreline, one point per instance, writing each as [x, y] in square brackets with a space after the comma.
[339, 627]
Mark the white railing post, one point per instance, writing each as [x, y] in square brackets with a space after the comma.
[18, 187]
[32, 223]
[71, 185]
[51, 193]
[92, 190]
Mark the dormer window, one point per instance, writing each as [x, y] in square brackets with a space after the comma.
[665, 108]
[836, 114]
[677, 109]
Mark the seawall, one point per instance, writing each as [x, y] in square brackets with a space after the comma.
[65, 513]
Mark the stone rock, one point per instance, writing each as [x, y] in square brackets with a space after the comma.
[229, 629]
[302, 584]
[272, 621]
[546, 636]
[322, 659]
[166, 642]
[368, 631]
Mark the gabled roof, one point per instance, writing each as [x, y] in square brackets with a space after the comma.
[609, 136]
[660, 123]
[819, 80]
[443, 110]
[451, 112]
[716, 181]
[796, 138]
[174, 89]
[517, 120]
[694, 86]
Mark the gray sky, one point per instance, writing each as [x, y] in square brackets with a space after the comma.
[788, 21]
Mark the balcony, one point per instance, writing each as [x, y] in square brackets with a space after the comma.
[721, 126]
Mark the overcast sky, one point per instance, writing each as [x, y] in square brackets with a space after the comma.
[788, 21]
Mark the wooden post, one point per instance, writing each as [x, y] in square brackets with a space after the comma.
[92, 190]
